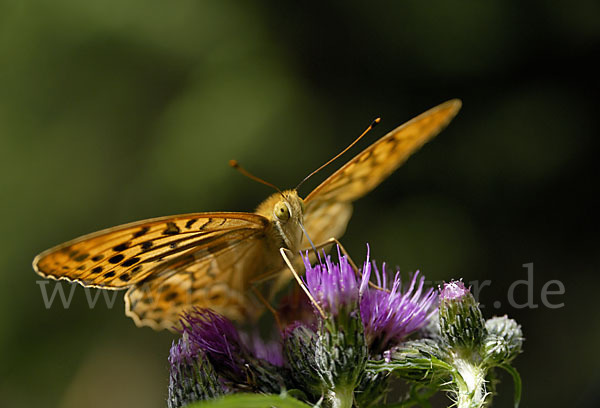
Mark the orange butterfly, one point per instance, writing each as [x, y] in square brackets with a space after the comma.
[211, 259]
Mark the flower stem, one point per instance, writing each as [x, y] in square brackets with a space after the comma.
[341, 397]
[471, 389]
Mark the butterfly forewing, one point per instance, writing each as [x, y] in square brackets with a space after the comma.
[328, 207]
[368, 169]
[122, 256]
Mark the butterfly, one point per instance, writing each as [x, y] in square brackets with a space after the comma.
[211, 259]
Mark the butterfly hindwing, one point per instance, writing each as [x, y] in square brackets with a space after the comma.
[219, 280]
[324, 219]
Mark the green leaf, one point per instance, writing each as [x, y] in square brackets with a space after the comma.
[517, 381]
[251, 401]
[419, 397]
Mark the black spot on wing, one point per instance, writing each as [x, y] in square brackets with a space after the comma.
[205, 224]
[131, 261]
[97, 258]
[191, 222]
[170, 296]
[116, 259]
[121, 247]
[171, 229]
[109, 274]
[141, 232]
[146, 245]
[81, 258]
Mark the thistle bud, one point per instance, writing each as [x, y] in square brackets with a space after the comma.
[461, 322]
[300, 351]
[504, 340]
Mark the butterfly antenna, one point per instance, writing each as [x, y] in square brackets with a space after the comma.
[236, 165]
[371, 126]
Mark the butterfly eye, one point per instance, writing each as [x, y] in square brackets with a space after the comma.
[281, 211]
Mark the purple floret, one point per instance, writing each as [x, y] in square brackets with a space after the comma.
[391, 315]
[453, 290]
[216, 336]
[333, 285]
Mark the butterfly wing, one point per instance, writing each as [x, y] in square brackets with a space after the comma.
[324, 219]
[328, 207]
[218, 280]
[136, 254]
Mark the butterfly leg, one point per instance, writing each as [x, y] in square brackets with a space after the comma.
[257, 281]
[284, 253]
[264, 278]
[268, 306]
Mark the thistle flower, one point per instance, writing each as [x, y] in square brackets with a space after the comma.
[390, 315]
[191, 376]
[232, 359]
[218, 339]
[340, 349]
[269, 351]
[334, 285]
[346, 353]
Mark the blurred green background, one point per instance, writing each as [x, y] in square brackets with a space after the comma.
[113, 111]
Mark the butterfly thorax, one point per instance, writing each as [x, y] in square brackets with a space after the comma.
[285, 212]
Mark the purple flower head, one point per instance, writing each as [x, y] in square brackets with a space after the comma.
[333, 285]
[390, 315]
[270, 351]
[216, 336]
[183, 352]
[191, 377]
[291, 328]
[455, 290]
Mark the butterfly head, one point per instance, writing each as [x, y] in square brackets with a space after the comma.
[285, 210]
